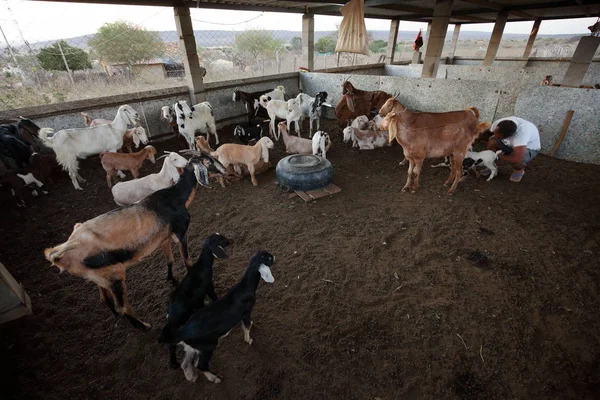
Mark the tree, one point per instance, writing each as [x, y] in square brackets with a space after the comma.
[326, 44]
[257, 42]
[296, 43]
[51, 59]
[123, 42]
[377, 46]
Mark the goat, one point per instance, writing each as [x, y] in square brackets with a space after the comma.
[251, 101]
[113, 162]
[431, 135]
[95, 121]
[70, 144]
[363, 123]
[365, 139]
[101, 249]
[245, 135]
[487, 158]
[237, 154]
[276, 109]
[259, 167]
[201, 333]
[125, 193]
[168, 114]
[38, 172]
[356, 102]
[294, 144]
[193, 289]
[320, 144]
[13, 152]
[196, 118]
[134, 136]
[304, 106]
[27, 132]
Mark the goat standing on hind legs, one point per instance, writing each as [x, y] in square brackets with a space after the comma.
[101, 249]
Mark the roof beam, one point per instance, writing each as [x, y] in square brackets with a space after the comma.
[498, 7]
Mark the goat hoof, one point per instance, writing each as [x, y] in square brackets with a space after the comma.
[249, 341]
[405, 189]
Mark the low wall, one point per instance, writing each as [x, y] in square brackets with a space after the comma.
[148, 104]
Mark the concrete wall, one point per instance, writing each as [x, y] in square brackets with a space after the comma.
[546, 107]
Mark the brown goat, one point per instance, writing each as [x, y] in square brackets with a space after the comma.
[113, 162]
[356, 102]
[431, 135]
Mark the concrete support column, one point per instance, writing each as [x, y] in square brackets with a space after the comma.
[581, 60]
[531, 40]
[426, 36]
[308, 41]
[454, 42]
[392, 41]
[492, 49]
[437, 36]
[193, 72]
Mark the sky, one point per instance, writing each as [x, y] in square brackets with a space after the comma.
[38, 21]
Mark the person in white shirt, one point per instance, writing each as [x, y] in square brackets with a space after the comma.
[519, 141]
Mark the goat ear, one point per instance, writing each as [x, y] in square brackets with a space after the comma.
[264, 151]
[265, 273]
[172, 171]
[136, 139]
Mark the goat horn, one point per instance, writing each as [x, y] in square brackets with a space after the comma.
[163, 156]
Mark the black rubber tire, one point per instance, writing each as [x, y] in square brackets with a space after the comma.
[304, 172]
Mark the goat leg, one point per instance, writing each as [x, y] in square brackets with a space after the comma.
[246, 325]
[417, 171]
[106, 298]
[168, 252]
[119, 293]
[181, 240]
[205, 357]
[408, 184]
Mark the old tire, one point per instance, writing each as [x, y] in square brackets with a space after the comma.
[304, 172]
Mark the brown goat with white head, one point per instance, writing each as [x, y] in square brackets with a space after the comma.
[101, 249]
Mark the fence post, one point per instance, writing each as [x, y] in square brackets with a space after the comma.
[66, 63]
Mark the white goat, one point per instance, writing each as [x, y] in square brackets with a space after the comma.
[276, 94]
[196, 118]
[130, 192]
[366, 140]
[320, 144]
[275, 109]
[70, 144]
[239, 154]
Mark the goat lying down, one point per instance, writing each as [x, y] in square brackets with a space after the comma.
[365, 139]
[101, 249]
[201, 333]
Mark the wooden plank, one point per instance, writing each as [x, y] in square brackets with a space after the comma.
[563, 132]
[310, 195]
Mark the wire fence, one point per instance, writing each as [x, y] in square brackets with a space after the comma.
[123, 57]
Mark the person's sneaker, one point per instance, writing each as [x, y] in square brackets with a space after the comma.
[485, 172]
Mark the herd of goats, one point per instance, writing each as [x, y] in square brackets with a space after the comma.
[155, 207]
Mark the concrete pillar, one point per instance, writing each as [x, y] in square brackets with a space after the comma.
[492, 49]
[193, 72]
[437, 36]
[392, 41]
[453, 44]
[531, 40]
[581, 60]
[426, 36]
[308, 41]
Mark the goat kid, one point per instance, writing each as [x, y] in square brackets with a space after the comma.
[252, 101]
[101, 249]
[237, 155]
[486, 158]
[113, 162]
[37, 174]
[304, 106]
[320, 144]
[245, 135]
[201, 333]
[365, 139]
[196, 118]
[189, 295]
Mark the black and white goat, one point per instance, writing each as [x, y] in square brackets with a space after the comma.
[101, 249]
[321, 143]
[245, 135]
[201, 333]
[251, 101]
[474, 159]
[193, 289]
[304, 106]
[13, 152]
[199, 117]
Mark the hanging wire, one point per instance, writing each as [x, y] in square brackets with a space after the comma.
[235, 23]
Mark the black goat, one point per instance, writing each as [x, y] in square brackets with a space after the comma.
[251, 100]
[193, 289]
[13, 152]
[200, 335]
[245, 135]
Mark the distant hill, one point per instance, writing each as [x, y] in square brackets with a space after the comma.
[214, 38]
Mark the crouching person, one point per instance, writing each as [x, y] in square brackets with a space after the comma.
[519, 141]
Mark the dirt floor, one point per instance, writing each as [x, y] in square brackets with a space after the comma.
[378, 294]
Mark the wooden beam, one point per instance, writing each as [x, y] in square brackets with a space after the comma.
[563, 132]
[498, 7]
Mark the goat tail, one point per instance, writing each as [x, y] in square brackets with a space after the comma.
[474, 110]
[54, 254]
